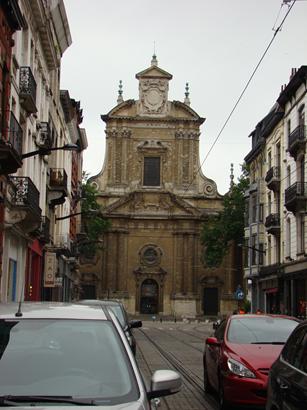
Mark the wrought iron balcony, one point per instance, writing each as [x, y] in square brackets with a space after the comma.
[272, 224]
[44, 139]
[11, 149]
[272, 178]
[297, 140]
[296, 197]
[25, 200]
[27, 89]
[58, 190]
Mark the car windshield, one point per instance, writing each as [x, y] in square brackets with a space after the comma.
[77, 358]
[262, 330]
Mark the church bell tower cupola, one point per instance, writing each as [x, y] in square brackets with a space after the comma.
[153, 91]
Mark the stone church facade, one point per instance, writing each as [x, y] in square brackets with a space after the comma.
[152, 189]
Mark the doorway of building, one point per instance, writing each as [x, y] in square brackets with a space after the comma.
[149, 297]
[88, 292]
[210, 301]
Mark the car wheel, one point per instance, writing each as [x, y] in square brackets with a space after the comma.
[207, 385]
[222, 402]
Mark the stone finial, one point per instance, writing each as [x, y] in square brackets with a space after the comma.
[231, 176]
[120, 92]
[154, 61]
[187, 93]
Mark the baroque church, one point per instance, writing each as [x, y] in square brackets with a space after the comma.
[152, 189]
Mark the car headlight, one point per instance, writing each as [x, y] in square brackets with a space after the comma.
[239, 369]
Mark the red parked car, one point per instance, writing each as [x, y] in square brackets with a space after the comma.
[237, 359]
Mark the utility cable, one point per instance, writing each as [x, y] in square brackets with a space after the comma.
[243, 91]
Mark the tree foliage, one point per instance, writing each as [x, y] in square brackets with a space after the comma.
[93, 223]
[228, 225]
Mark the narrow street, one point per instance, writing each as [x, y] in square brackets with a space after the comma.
[177, 346]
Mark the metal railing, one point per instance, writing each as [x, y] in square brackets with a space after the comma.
[298, 134]
[298, 189]
[58, 177]
[272, 220]
[44, 135]
[27, 83]
[15, 134]
[273, 172]
[25, 194]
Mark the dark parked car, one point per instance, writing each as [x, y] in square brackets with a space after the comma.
[120, 312]
[238, 358]
[287, 389]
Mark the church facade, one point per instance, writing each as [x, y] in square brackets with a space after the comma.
[152, 189]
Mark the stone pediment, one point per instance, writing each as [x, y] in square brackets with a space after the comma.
[183, 111]
[154, 72]
[124, 109]
[152, 204]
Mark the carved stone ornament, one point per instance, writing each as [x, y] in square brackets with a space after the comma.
[153, 96]
[210, 189]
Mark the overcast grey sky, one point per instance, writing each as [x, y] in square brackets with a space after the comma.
[212, 44]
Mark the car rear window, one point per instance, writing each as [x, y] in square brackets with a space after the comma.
[262, 330]
[78, 358]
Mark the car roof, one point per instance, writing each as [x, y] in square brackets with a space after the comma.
[263, 315]
[51, 310]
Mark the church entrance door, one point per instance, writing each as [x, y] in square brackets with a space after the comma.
[210, 301]
[149, 297]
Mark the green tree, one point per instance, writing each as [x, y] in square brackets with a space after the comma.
[218, 230]
[94, 224]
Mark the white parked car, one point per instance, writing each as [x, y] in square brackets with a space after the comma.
[58, 354]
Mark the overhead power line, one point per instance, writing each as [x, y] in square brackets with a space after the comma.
[244, 89]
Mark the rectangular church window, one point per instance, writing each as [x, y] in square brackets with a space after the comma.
[151, 171]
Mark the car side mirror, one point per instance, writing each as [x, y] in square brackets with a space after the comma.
[216, 324]
[135, 323]
[212, 341]
[164, 383]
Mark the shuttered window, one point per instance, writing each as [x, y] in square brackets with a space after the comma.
[151, 171]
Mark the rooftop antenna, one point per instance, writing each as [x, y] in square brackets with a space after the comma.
[120, 92]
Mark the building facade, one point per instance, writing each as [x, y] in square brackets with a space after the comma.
[40, 181]
[152, 189]
[275, 224]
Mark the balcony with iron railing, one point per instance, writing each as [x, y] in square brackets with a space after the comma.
[272, 178]
[44, 135]
[25, 200]
[27, 89]
[297, 140]
[11, 149]
[58, 189]
[296, 197]
[272, 224]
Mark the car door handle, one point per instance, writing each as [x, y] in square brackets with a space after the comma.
[282, 385]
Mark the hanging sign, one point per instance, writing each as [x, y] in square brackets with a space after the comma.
[50, 269]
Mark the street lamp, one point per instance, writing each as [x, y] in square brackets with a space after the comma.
[241, 245]
[89, 212]
[47, 151]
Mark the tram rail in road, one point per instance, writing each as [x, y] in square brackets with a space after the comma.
[192, 391]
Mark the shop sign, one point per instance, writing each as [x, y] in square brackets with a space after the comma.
[50, 270]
